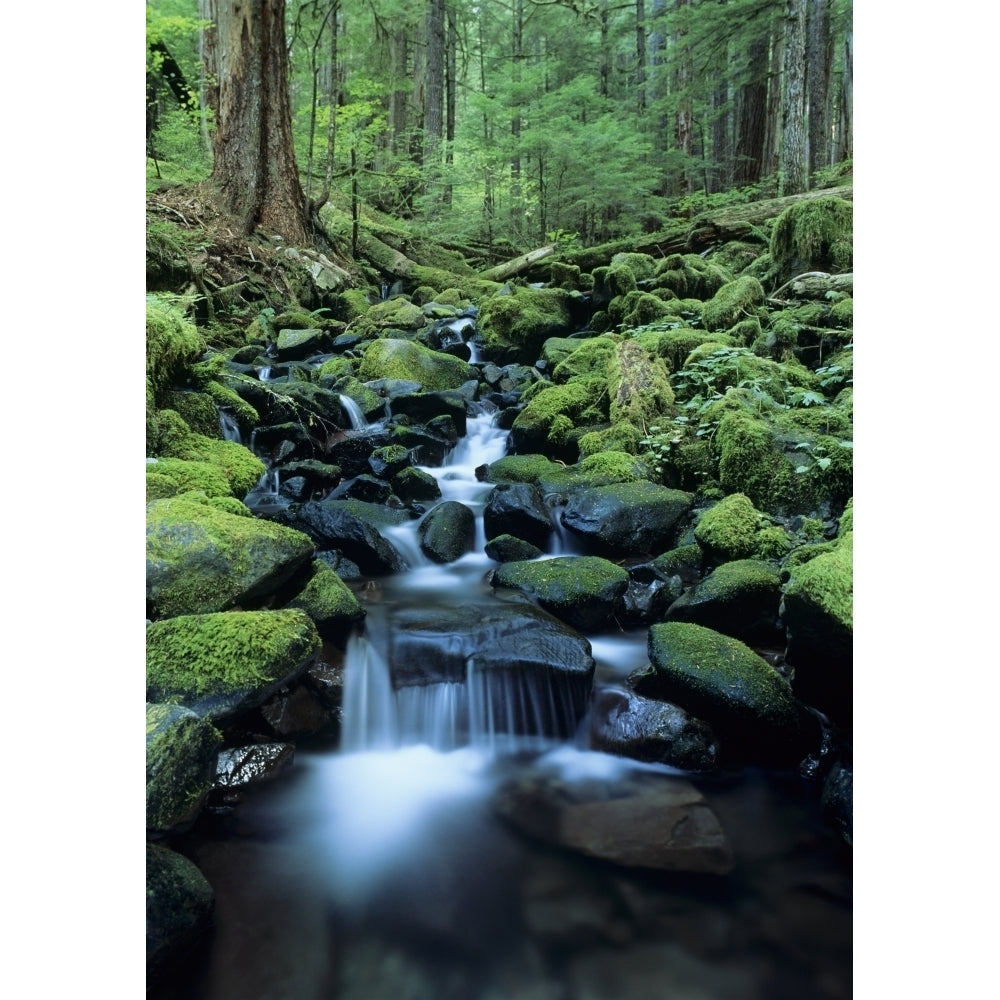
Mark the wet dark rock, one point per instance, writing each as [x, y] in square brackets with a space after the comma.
[353, 527]
[318, 476]
[295, 713]
[739, 598]
[345, 568]
[507, 548]
[283, 443]
[837, 800]
[426, 447]
[636, 820]
[649, 594]
[179, 908]
[350, 450]
[624, 723]
[240, 767]
[413, 485]
[533, 673]
[518, 509]
[447, 532]
[423, 407]
[389, 461]
[625, 519]
[363, 487]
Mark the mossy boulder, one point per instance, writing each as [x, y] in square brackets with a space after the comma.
[181, 751]
[513, 325]
[173, 344]
[818, 611]
[553, 411]
[720, 680]
[588, 357]
[738, 598]
[179, 908]
[222, 664]
[585, 592]
[413, 485]
[202, 476]
[518, 509]
[690, 276]
[813, 235]
[397, 314]
[447, 532]
[508, 548]
[728, 530]
[355, 528]
[732, 302]
[329, 602]
[623, 519]
[638, 385]
[410, 361]
[622, 437]
[201, 559]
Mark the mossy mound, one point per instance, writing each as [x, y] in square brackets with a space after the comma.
[179, 906]
[621, 436]
[202, 476]
[412, 362]
[818, 610]
[813, 235]
[638, 385]
[181, 751]
[394, 314]
[201, 559]
[675, 345]
[329, 602]
[588, 357]
[447, 532]
[733, 302]
[720, 680]
[514, 326]
[582, 591]
[553, 411]
[173, 344]
[729, 530]
[690, 276]
[220, 665]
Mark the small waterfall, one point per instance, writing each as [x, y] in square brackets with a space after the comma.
[354, 414]
[264, 374]
[370, 721]
[230, 427]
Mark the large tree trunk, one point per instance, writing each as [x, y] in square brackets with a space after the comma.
[255, 172]
[794, 160]
[819, 53]
[751, 114]
[434, 98]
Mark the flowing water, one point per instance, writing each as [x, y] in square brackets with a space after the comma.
[381, 870]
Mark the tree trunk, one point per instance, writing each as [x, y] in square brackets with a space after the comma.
[512, 267]
[819, 52]
[255, 172]
[751, 115]
[640, 55]
[434, 96]
[208, 85]
[794, 159]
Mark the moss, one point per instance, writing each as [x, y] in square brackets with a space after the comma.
[514, 326]
[638, 385]
[520, 469]
[238, 464]
[814, 235]
[202, 476]
[732, 302]
[736, 255]
[335, 368]
[404, 359]
[772, 543]
[684, 561]
[646, 308]
[615, 467]
[642, 265]
[827, 582]
[328, 601]
[564, 275]
[172, 345]
[159, 486]
[198, 410]
[620, 280]
[224, 396]
[847, 518]
[842, 313]
[749, 462]
[729, 529]
[690, 276]
[226, 652]
[200, 558]
[589, 357]
[230, 505]
[413, 484]
[621, 436]
[583, 400]
[805, 553]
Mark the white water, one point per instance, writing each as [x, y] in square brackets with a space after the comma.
[354, 414]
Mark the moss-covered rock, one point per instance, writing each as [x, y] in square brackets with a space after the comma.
[181, 751]
[173, 344]
[638, 385]
[818, 611]
[201, 559]
[738, 598]
[685, 561]
[508, 548]
[719, 679]
[752, 463]
[813, 235]
[203, 476]
[729, 529]
[329, 602]
[397, 314]
[179, 906]
[514, 326]
[732, 302]
[588, 357]
[623, 437]
[408, 360]
[222, 664]
[585, 592]
[691, 276]
[543, 425]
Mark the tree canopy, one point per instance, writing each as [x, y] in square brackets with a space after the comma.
[521, 122]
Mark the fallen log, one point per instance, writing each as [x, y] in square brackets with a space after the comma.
[514, 267]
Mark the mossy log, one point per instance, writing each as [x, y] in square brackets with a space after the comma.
[512, 267]
[812, 285]
[736, 223]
